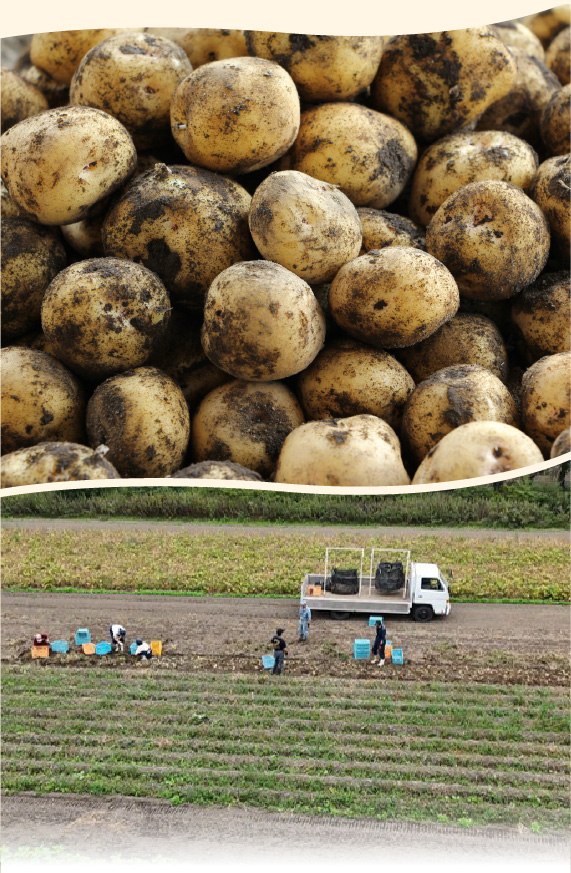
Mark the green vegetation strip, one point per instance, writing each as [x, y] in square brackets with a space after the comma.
[219, 563]
[410, 751]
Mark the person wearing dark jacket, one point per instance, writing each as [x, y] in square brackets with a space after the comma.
[379, 643]
[280, 649]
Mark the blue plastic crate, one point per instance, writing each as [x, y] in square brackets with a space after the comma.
[361, 649]
[374, 619]
[133, 648]
[268, 662]
[60, 646]
[397, 656]
[82, 635]
[102, 648]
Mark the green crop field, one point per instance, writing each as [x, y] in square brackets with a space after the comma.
[442, 752]
[220, 563]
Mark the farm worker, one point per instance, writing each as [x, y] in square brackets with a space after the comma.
[304, 619]
[280, 650]
[143, 650]
[118, 634]
[379, 643]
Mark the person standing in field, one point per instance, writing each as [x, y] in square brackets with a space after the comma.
[280, 649]
[118, 634]
[379, 643]
[304, 619]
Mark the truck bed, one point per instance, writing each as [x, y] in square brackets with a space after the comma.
[367, 600]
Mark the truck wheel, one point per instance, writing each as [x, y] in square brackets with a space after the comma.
[340, 616]
[423, 613]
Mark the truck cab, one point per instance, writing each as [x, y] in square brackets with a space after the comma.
[429, 590]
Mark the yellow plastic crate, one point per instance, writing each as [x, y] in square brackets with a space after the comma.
[388, 652]
[88, 648]
[40, 651]
[156, 647]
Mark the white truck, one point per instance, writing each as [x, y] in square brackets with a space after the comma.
[392, 584]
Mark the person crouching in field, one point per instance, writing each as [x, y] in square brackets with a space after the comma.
[118, 634]
[280, 650]
[379, 643]
[143, 650]
[304, 619]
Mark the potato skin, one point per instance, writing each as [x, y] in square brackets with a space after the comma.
[467, 157]
[368, 155]
[217, 470]
[185, 224]
[235, 116]
[514, 34]
[56, 93]
[261, 322]
[545, 399]
[19, 99]
[562, 444]
[555, 122]
[324, 68]
[143, 417]
[361, 450]
[394, 297]
[59, 52]
[245, 423]
[467, 338]
[59, 165]
[492, 237]
[452, 397]
[41, 400]
[349, 378]
[84, 237]
[438, 82]
[133, 77]
[32, 256]
[480, 448]
[204, 44]
[307, 226]
[381, 228]
[557, 56]
[541, 314]
[550, 190]
[547, 24]
[104, 316]
[54, 462]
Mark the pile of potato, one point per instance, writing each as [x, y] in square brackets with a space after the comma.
[314, 260]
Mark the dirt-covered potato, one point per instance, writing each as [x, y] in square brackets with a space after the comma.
[468, 338]
[451, 397]
[324, 68]
[59, 165]
[142, 416]
[467, 157]
[246, 423]
[361, 450]
[19, 99]
[56, 93]
[436, 83]
[261, 322]
[84, 237]
[185, 224]
[550, 189]
[545, 399]
[547, 24]
[54, 462]
[307, 226]
[480, 448]
[492, 237]
[104, 316]
[394, 297]
[382, 229]
[204, 44]
[555, 122]
[217, 470]
[41, 400]
[562, 444]
[349, 378]
[558, 56]
[133, 77]
[32, 256]
[517, 35]
[368, 155]
[235, 116]
[59, 52]
[541, 314]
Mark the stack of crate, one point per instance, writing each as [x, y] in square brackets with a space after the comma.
[361, 649]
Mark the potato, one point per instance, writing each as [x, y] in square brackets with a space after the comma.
[307, 226]
[54, 462]
[547, 24]
[19, 99]
[555, 122]
[235, 116]
[462, 158]
[517, 35]
[203, 44]
[133, 77]
[368, 155]
[438, 82]
[348, 378]
[84, 237]
[546, 386]
[382, 229]
[347, 452]
[480, 448]
[541, 314]
[41, 400]
[32, 256]
[143, 417]
[216, 470]
[394, 297]
[557, 56]
[58, 53]
[550, 190]
[323, 67]
[465, 339]
[492, 237]
[451, 397]
[245, 423]
[56, 93]
[104, 316]
[562, 444]
[261, 322]
[185, 224]
[59, 165]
